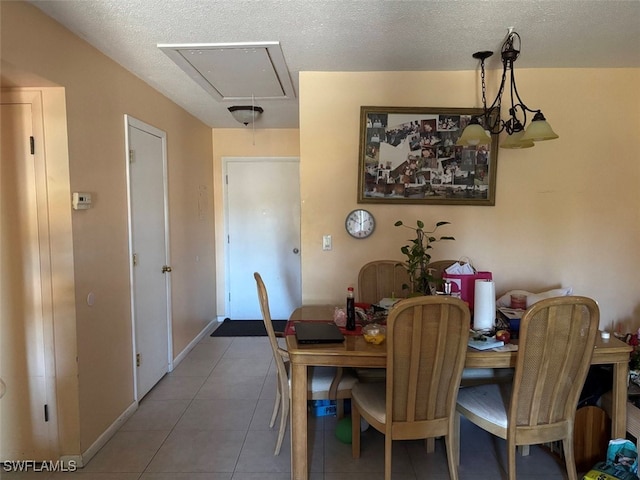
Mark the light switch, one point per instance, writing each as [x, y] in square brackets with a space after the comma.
[326, 242]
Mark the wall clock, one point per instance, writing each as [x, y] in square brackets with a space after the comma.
[360, 223]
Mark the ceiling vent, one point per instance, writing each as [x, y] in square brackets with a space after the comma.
[235, 71]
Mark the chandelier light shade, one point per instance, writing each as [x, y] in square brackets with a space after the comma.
[539, 129]
[246, 114]
[520, 134]
[474, 134]
[516, 140]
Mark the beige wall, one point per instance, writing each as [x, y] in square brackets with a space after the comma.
[567, 211]
[98, 94]
[243, 142]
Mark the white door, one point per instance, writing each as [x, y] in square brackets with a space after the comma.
[263, 235]
[24, 432]
[150, 269]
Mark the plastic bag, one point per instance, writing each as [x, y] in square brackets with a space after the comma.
[621, 463]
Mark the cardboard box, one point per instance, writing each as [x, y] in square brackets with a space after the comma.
[322, 408]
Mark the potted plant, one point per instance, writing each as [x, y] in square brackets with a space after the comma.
[418, 257]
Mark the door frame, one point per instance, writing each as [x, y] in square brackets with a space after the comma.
[134, 122]
[34, 98]
[225, 245]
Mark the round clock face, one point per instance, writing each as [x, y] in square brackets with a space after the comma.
[360, 223]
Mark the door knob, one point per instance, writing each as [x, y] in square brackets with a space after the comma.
[166, 268]
[296, 251]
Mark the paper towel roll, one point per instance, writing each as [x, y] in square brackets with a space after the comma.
[484, 307]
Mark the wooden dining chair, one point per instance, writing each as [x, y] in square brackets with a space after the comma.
[470, 376]
[383, 279]
[374, 283]
[325, 383]
[557, 338]
[426, 349]
[437, 268]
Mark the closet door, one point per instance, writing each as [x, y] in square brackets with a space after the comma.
[24, 304]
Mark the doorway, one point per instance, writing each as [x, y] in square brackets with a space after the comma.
[262, 222]
[149, 247]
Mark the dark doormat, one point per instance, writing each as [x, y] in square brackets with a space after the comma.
[246, 328]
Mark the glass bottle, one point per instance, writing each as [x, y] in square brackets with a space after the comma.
[351, 310]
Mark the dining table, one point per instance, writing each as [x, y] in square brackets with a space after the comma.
[356, 352]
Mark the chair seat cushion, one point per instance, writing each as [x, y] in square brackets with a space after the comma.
[372, 398]
[321, 378]
[487, 402]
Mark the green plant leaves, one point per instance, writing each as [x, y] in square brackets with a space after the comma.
[417, 256]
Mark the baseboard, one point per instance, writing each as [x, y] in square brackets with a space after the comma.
[221, 318]
[206, 331]
[107, 434]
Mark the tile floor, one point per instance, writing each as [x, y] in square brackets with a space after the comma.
[209, 419]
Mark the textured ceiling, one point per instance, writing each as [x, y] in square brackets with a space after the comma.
[346, 35]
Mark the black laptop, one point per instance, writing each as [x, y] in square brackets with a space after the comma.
[308, 333]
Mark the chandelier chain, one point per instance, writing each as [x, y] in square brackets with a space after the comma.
[484, 86]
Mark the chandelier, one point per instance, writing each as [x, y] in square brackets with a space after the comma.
[519, 133]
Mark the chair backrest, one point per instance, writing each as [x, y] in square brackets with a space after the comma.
[278, 353]
[426, 348]
[557, 337]
[439, 266]
[383, 279]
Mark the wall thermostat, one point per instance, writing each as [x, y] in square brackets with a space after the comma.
[81, 200]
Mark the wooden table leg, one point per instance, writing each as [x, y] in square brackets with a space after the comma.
[619, 400]
[299, 455]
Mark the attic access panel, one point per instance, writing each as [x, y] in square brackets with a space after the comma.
[235, 71]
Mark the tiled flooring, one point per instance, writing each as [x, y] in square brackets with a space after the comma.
[209, 419]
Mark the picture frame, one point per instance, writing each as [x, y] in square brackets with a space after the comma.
[408, 155]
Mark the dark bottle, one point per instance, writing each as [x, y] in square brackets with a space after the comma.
[351, 310]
